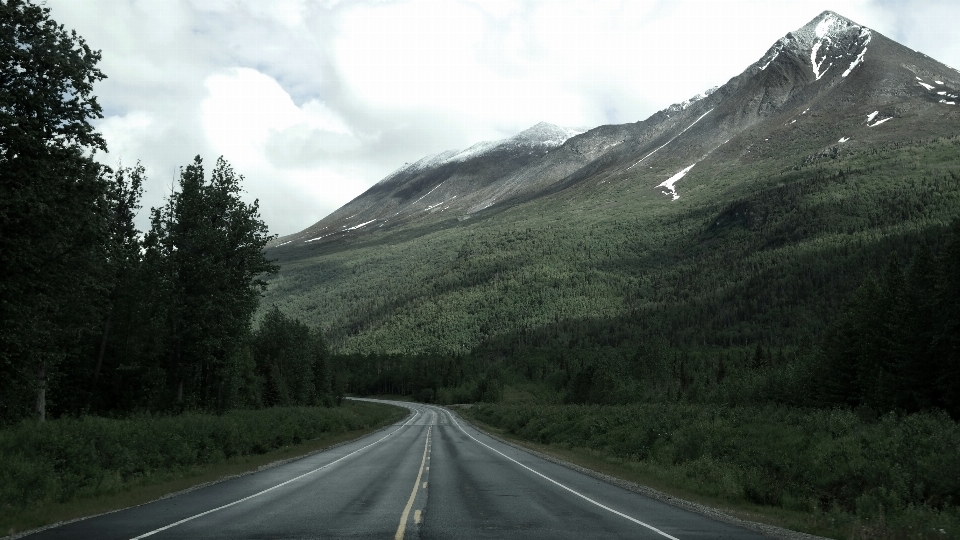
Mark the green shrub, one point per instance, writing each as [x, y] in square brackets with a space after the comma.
[886, 476]
[64, 459]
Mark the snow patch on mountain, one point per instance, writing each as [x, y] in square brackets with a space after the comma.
[317, 238]
[943, 93]
[772, 58]
[475, 150]
[670, 141]
[822, 31]
[669, 183]
[825, 24]
[855, 63]
[355, 227]
[429, 192]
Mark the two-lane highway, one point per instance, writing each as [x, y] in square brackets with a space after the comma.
[429, 476]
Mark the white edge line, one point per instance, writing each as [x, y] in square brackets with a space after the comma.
[551, 480]
[191, 518]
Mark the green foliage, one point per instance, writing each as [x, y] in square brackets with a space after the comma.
[206, 250]
[92, 316]
[889, 474]
[68, 458]
[291, 363]
[893, 346]
[53, 202]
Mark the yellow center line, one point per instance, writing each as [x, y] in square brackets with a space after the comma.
[413, 494]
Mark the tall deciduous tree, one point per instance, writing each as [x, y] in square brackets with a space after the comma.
[206, 245]
[53, 201]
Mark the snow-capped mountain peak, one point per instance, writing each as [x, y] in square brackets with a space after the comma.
[830, 43]
[546, 134]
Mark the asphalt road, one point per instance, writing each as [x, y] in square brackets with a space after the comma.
[429, 476]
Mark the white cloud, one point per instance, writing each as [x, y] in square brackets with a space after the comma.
[313, 102]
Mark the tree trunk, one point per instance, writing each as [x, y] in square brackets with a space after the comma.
[42, 391]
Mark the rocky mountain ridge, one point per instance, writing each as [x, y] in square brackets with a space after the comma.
[829, 85]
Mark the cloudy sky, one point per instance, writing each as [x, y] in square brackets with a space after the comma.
[313, 101]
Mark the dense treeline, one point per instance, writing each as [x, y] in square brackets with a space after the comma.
[292, 365]
[428, 378]
[895, 345]
[96, 316]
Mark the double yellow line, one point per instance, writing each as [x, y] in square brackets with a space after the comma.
[413, 494]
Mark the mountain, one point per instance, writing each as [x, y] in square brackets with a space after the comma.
[830, 76]
[837, 146]
[459, 182]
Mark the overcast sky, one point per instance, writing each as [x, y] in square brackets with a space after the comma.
[315, 101]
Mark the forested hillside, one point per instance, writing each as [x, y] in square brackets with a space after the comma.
[608, 274]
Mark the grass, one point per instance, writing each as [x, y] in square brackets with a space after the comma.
[115, 490]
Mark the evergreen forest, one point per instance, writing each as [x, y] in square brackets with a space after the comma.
[96, 317]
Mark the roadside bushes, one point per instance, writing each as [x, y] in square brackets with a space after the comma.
[68, 458]
[845, 462]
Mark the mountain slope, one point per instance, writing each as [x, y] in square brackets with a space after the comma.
[743, 215]
[833, 70]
